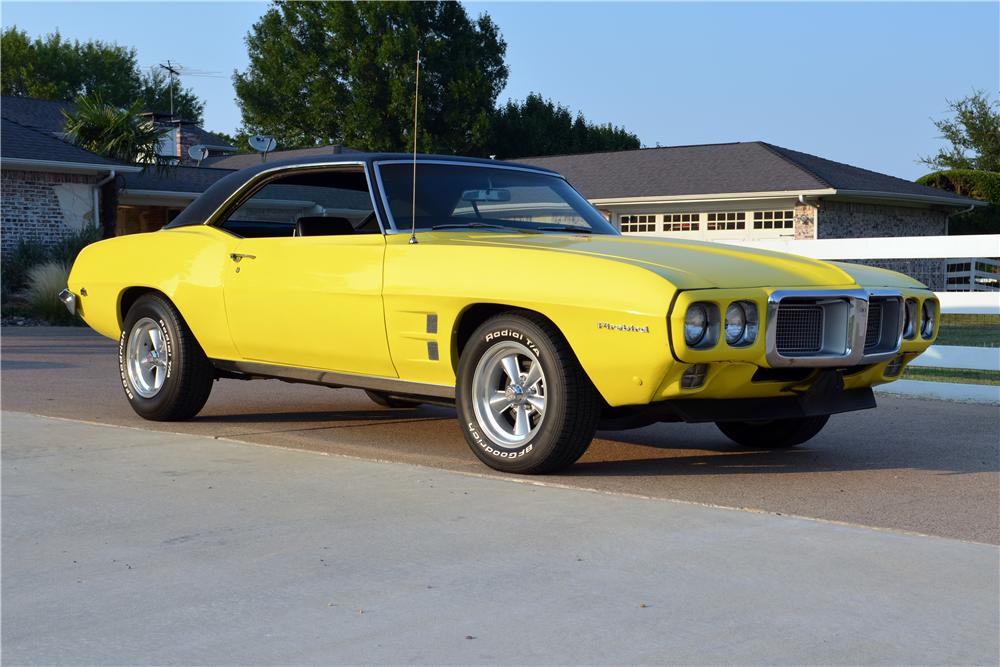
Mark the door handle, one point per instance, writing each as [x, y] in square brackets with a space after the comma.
[237, 256]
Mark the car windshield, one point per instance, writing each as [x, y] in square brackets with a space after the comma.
[487, 198]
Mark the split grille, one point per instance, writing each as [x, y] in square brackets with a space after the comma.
[799, 329]
[873, 334]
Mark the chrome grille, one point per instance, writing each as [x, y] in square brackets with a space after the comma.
[798, 329]
[873, 334]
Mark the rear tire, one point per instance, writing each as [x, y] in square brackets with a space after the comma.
[389, 401]
[776, 434]
[524, 403]
[164, 371]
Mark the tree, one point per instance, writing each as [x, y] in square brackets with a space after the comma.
[56, 69]
[541, 127]
[974, 135]
[336, 72]
[119, 134]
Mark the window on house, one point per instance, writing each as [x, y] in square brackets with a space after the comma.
[774, 219]
[638, 223]
[681, 222]
[726, 221]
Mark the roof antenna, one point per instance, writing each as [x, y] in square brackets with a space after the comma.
[413, 202]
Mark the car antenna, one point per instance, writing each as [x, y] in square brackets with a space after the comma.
[413, 202]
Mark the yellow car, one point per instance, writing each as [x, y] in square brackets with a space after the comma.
[497, 288]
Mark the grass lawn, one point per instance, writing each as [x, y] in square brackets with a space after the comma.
[951, 375]
[969, 330]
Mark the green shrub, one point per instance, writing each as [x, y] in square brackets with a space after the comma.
[41, 295]
[68, 248]
[984, 185]
[15, 266]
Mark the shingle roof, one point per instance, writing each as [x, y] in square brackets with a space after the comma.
[45, 115]
[203, 136]
[244, 160]
[19, 142]
[722, 168]
[175, 179]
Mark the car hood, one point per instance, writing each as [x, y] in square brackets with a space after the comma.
[696, 264]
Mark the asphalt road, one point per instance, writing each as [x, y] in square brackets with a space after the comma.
[930, 467]
[133, 547]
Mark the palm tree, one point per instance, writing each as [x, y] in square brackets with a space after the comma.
[119, 134]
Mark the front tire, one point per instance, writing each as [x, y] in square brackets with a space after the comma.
[776, 434]
[524, 403]
[164, 371]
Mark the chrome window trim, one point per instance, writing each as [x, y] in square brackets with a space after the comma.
[260, 178]
[394, 229]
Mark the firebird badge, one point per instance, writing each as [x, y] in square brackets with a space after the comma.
[622, 327]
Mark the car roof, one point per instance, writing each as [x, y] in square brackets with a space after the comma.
[209, 201]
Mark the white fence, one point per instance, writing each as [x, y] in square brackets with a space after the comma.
[973, 247]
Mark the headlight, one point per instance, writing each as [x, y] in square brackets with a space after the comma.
[910, 319]
[695, 324]
[741, 323]
[928, 314]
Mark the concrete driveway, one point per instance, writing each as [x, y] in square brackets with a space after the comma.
[125, 546]
[925, 466]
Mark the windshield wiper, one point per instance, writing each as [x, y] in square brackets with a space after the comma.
[566, 228]
[482, 225]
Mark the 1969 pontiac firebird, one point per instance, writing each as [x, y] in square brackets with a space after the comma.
[514, 299]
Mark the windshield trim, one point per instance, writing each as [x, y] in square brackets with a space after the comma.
[393, 229]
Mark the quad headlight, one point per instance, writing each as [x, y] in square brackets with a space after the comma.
[696, 324]
[741, 323]
[928, 316]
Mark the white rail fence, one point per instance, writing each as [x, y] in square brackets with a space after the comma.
[982, 247]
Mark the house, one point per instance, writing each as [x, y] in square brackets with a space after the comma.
[52, 188]
[49, 188]
[752, 190]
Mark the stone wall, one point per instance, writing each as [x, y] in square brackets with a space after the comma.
[43, 207]
[851, 220]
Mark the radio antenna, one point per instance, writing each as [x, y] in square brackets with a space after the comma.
[413, 202]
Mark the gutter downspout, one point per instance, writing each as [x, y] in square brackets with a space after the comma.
[97, 195]
[948, 218]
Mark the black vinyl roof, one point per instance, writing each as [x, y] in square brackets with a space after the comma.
[216, 194]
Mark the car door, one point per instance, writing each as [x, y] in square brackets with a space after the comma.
[304, 284]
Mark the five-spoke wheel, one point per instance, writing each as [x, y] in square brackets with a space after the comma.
[525, 405]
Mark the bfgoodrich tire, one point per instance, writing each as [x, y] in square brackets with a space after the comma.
[776, 434]
[524, 403]
[164, 371]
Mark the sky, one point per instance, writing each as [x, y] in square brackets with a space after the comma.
[853, 82]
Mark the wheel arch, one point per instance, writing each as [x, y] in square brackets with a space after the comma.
[472, 316]
[129, 295]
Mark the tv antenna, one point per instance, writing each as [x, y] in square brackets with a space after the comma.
[263, 144]
[413, 202]
[198, 152]
[174, 71]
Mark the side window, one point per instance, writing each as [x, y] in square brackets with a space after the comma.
[308, 203]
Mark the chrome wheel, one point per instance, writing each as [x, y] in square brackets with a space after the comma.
[146, 358]
[509, 394]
